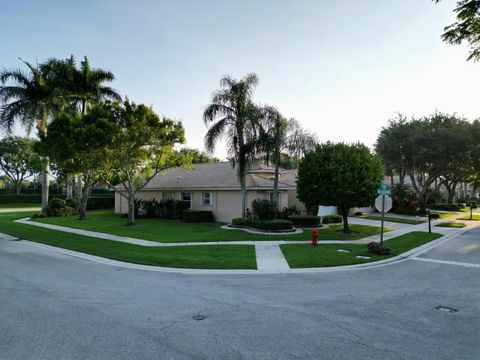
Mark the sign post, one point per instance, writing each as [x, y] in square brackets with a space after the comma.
[383, 203]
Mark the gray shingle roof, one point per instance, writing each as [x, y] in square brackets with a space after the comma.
[220, 176]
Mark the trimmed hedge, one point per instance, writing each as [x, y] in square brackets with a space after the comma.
[445, 207]
[332, 219]
[405, 211]
[239, 222]
[196, 216]
[270, 224]
[300, 221]
[94, 202]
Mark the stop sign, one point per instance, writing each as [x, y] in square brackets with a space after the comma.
[386, 206]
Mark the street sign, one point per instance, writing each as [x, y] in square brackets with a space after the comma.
[380, 206]
[383, 190]
[383, 203]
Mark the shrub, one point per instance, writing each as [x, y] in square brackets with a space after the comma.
[434, 216]
[332, 219]
[198, 216]
[70, 211]
[56, 207]
[238, 222]
[270, 224]
[358, 213]
[150, 208]
[100, 202]
[263, 209]
[289, 211]
[405, 211]
[473, 204]
[73, 203]
[301, 221]
[377, 249]
[445, 207]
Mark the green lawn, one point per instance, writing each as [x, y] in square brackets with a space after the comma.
[451, 224]
[198, 257]
[305, 255]
[392, 219]
[176, 231]
[18, 206]
[475, 217]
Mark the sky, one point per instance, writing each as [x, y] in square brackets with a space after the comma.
[342, 68]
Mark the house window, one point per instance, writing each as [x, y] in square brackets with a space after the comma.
[187, 199]
[207, 199]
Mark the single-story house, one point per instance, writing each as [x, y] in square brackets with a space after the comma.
[216, 187]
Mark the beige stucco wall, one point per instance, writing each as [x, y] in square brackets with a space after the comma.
[226, 204]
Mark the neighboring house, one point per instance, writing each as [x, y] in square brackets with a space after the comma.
[216, 187]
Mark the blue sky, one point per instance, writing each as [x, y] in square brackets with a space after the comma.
[342, 68]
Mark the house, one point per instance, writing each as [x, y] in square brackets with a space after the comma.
[215, 187]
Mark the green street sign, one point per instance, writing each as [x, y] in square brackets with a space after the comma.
[383, 190]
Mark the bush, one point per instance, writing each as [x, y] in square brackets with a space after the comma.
[473, 204]
[304, 221]
[198, 216]
[332, 219]
[73, 203]
[405, 211]
[56, 207]
[445, 207]
[434, 216]
[263, 209]
[358, 213]
[270, 224]
[20, 199]
[238, 222]
[289, 211]
[377, 249]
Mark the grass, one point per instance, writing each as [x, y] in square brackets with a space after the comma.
[475, 217]
[18, 206]
[392, 219]
[451, 224]
[175, 231]
[306, 256]
[197, 257]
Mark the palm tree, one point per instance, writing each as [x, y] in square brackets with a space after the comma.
[28, 97]
[232, 112]
[280, 135]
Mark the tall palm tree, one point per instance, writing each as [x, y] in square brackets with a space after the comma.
[233, 113]
[281, 135]
[28, 97]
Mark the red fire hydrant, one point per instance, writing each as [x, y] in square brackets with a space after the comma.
[314, 237]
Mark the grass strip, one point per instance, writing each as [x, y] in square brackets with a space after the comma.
[172, 231]
[392, 219]
[196, 257]
[451, 224]
[307, 256]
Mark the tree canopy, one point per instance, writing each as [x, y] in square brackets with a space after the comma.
[342, 175]
[466, 28]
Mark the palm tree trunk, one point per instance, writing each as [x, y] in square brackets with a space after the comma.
[70, 184]
[79, 186]
[45, 186]
[275, 181]
[243, 195]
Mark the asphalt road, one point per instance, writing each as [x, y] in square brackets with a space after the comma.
[54, 306]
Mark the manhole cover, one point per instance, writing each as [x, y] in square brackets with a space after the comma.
[199, 317]
[445, 309]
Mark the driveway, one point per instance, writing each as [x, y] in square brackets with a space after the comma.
[58, 307]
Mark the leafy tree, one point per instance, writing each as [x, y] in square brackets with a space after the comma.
[29, 97]
[466, 28]
[77, 142]
[198, 157]
[141, 147]
[18, 160]
[232, 112]
[282, 135]
[339, 175]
